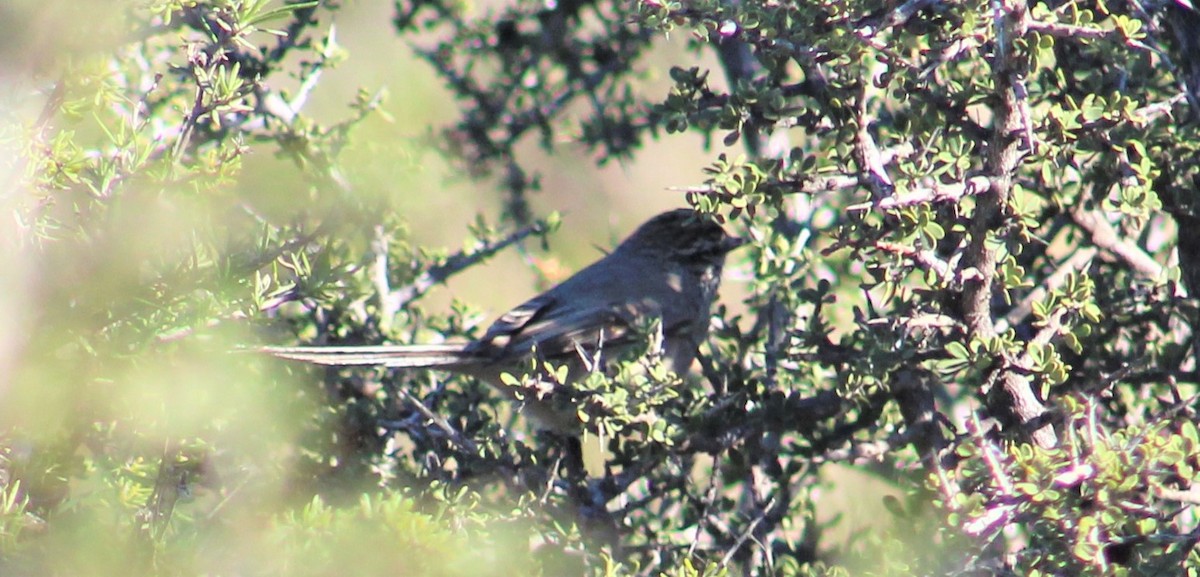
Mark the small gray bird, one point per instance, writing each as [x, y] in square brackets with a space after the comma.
[668, 269]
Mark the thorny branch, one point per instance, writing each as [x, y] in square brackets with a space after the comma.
[1004, 157]
[454, 264]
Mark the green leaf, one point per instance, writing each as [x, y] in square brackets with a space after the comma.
[255, 19]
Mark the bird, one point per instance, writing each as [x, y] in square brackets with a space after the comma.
[668, 270]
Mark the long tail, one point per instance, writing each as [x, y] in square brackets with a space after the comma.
[395, 356]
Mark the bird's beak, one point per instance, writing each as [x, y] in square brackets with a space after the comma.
[731, 243]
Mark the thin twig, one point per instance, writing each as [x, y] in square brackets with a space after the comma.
[455, 264]
[746, 534]
[464, 444]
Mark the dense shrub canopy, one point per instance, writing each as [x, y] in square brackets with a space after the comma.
[968, 295]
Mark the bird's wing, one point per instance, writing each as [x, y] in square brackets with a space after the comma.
[558, 328]
[502, 332]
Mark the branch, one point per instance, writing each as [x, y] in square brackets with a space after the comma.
[866, 153]
[1001, 505]
[1059, 30]
[1104, 236]
[455, 264]
[937, 193]
[1185, 26]
[750, 529]
[926, 258]
[1054, 327]
[379, 277]
[717, 432]
[980, 259]
[740, 67]
[914, 395]
[464, 444]
[1149, 112]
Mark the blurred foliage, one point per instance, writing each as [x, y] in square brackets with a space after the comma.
[971, 274]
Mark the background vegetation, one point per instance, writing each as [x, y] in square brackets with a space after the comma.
[965, 312]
